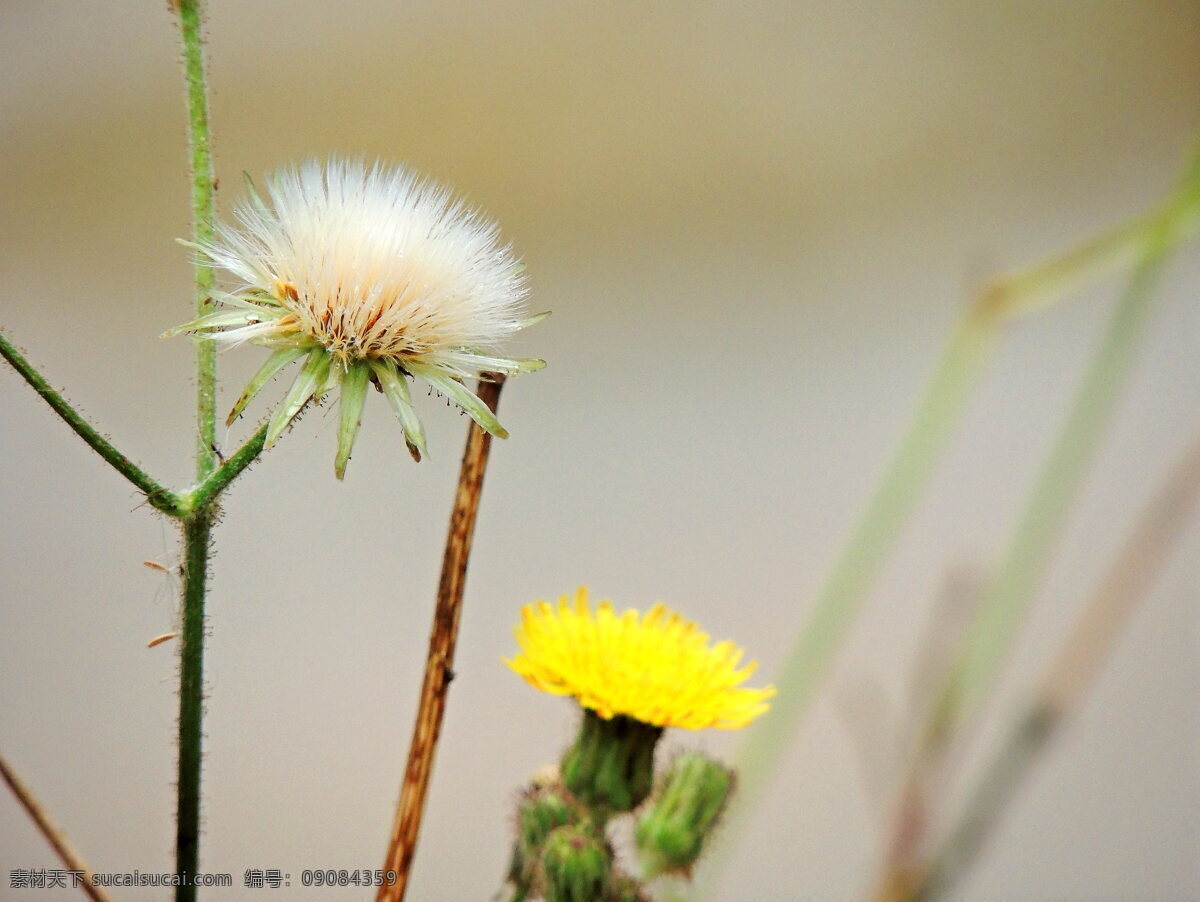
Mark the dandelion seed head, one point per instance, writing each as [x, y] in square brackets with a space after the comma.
[372, 262]
[366, 275]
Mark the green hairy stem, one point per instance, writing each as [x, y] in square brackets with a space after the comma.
[159, 497]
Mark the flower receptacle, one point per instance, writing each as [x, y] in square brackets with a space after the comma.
[611, 765]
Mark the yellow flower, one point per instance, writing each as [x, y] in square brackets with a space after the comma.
[658, 668]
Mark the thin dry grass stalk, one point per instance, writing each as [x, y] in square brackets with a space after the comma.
[66, 852]
[439, 662]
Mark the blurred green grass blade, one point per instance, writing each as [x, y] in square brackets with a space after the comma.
[881, 523]
[866, 551]
[1008, 593]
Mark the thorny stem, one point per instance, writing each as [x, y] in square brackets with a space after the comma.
[196, 537]
[439, 662]
[879, 527]
[196, 509]
[52, 832]
[175, 504]
[203, 215]
[1073, 669]
[197, 528]
[157, 495]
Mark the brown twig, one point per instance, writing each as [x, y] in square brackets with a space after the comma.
[932, 755]
[1062, 688]
[440, 660]
[53, 833]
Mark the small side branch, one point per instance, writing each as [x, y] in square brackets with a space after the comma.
[208, 490]
[159, 496]
[54, 835]
[440, 660]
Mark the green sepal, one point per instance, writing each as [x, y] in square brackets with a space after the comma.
[252, 191]
[277, 361]
[298, 340]
[610, 766]
[533, 320]
[259, 301]
[395, 389]
[219, 320]
[510, 366]
[337, 369]
[460, 394]
[354, 395]
[312, 376]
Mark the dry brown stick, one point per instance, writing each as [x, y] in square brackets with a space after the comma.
[440, 660]
[932, 754]
[1124, 586]
[53, 833]
[1062, 688]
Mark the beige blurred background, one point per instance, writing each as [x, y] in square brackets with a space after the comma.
[755, 224]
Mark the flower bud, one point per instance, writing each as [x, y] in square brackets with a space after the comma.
[671, 831]
[611, 765]
[576, 866]
[540, 810]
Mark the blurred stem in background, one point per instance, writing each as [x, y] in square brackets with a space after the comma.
[1150, 238]
[1007, 594]
[918, 874]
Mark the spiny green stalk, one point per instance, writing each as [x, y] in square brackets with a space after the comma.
[203, 215]
[196, 536]
[879, 527]
[157, 495]
[174, 504]
[198, 526]
[195, 508]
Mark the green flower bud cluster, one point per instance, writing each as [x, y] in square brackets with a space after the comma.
[541, 810]
[562, 853]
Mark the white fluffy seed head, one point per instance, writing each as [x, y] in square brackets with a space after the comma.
[372, 263]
